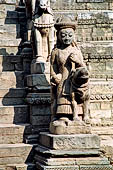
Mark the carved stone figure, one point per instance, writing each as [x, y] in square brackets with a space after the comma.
[69, 76]
[43, 30]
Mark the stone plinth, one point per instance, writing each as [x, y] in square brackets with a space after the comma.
[70, 142]
[70, 152]
[40, 68]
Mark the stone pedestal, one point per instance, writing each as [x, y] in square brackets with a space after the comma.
[39, 95]
[70, 152]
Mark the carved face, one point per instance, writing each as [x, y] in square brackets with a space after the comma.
[66, 36]
[43, 4]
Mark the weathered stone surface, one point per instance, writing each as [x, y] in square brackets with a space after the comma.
[11, 79]
[27, 166]
[14, 114]
[40, 68]
[11, 134]
[40, 110]
[72, 161]
[40, 120]
[96, 167]
[70, 142]
[7, 101]
[16, 152]
[38, 80]
[13, 92]
[45, 150]
[42, 167]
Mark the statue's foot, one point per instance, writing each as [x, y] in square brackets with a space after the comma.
[86, 120]
[76, 118]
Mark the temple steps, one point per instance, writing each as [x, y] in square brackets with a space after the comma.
[12, 133]
[18, 153]
[14, 114]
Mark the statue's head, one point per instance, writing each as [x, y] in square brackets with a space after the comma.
[65, 30]
[66, 36]
[43, 4]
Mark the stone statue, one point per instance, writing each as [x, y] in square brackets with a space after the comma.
[43, 28]
[69, 77]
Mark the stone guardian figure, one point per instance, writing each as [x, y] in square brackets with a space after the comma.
[69, 78]
[43, 28]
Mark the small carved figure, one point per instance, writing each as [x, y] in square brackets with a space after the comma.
[43, 28]
[69, 75]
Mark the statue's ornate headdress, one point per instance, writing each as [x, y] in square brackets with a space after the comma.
[64, 22]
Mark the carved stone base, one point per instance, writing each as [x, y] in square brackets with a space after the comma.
[70, 152]
[65, 126]
[40, 67]
[70, 142]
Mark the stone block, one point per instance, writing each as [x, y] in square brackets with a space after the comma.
[11, 134]
[98, 6]
[13, 93]
[40, 68]
[96, 167]
[40, 110]
[106, 105]
[42, 167]
[11, 79]
[100, 114]
[12, 101]
[72, 161]
[16, 152]
[70, 142]
[8, 2]
[59, 153]
[38, 80]
[101, 87]
[95, 106]
[14, 114]
[43, 120]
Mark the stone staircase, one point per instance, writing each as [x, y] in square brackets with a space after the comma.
[14, 113]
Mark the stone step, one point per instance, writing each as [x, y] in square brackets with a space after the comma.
[14, 114]
[13, 93]
[17, 153]
[11, 79]
[8, 47]
[107, 148]
[12, 134]
[9, 31]
[81, 5]
[10, 63]
[8, 2]
[27, 166]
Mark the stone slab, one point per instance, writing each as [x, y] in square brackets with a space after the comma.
[11, 133]
[72, 161]
[74, 152]
[13, 92]
[14, 114]
[38, 80]
[16, 152]
[7, 101]
[96, 167]
[43, 167]
[70, 142]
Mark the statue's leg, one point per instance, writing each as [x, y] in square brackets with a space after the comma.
[74, 107]
[38, 42]
[86, 111]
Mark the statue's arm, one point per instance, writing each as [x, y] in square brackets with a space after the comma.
[55, 76]
[33, 4]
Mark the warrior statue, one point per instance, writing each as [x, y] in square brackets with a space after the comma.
[43, 28]
[40, 13]
[69, 75]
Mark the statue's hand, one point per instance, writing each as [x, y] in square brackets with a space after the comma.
[73, 58]
[57, 78]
